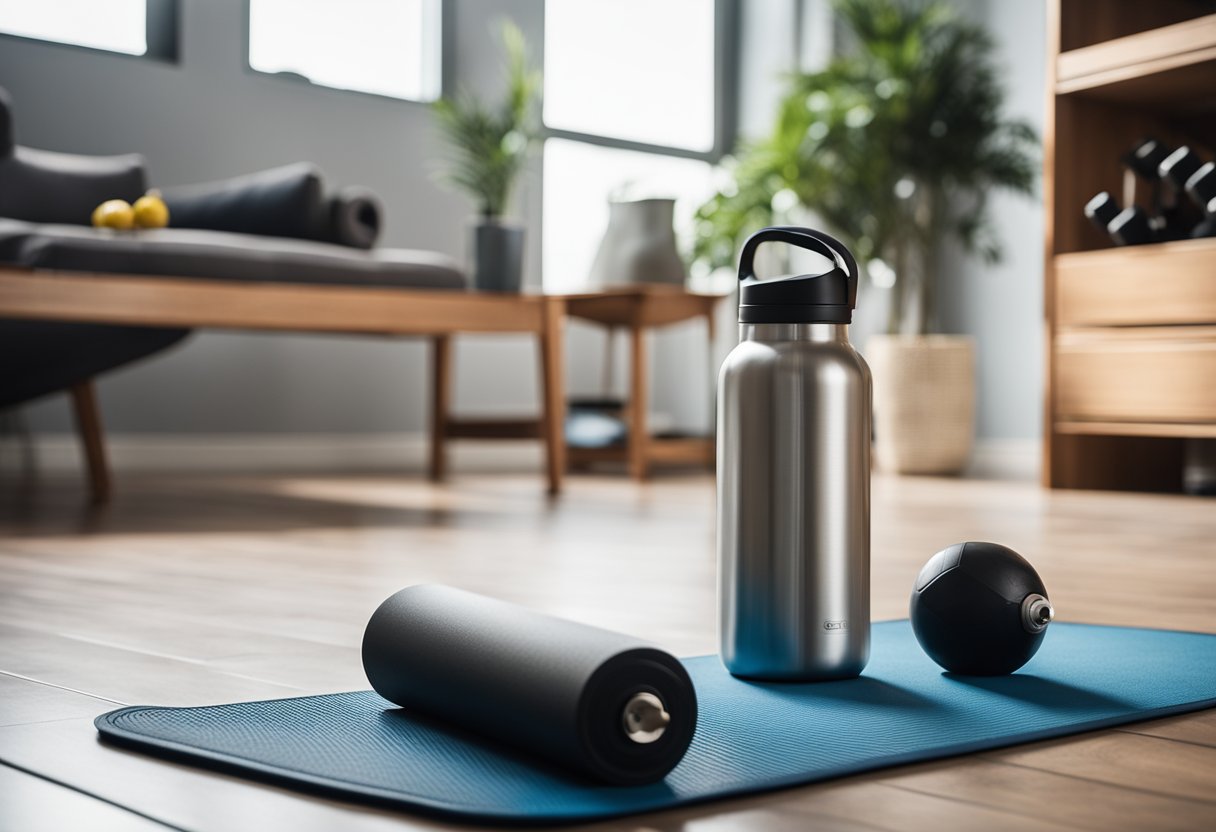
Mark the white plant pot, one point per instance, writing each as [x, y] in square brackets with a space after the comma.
[924, 402]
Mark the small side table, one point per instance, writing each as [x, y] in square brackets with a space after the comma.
[638, 308]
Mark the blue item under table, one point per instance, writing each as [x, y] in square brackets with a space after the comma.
[750, 737]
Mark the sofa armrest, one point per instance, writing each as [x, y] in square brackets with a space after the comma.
[44, 186]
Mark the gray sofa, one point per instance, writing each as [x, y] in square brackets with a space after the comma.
[300, 235]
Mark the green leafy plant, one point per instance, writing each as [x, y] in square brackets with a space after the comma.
[489, 143]
[895, 145]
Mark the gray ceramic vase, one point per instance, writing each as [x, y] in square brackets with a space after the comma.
[498, 256]
[639, 246]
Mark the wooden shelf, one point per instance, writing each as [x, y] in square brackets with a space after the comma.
[1162, 429]
[1164, 283]
[1159, 67]
[1131, 331]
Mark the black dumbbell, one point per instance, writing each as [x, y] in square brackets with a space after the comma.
[1168, 216]
[1201, 187]
[1179, 166]
[1146, 158]
[1129, 227]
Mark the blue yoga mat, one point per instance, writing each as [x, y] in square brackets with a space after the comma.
[750, 736]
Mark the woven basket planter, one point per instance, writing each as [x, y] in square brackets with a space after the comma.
[924, 402]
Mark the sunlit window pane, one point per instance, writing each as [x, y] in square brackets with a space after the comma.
[388, 47]
[638, 70]
[114, 25]
[580, 179]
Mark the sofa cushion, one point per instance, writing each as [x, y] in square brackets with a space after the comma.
[220, 255]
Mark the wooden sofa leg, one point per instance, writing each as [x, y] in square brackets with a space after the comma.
[92, 441]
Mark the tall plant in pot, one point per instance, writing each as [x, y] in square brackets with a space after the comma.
[489, 145]
[895, 145]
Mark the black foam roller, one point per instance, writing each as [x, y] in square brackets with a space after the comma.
[606, 705]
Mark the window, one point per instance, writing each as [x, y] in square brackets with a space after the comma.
[113, 25]
[633, 108]
[386, 47]
[632, 69]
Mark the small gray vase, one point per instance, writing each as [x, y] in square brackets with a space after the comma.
[498, 256]
[639, 246]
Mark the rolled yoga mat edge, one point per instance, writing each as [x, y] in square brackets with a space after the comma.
[509, 791]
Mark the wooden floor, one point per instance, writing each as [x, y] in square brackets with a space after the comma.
[210, 589]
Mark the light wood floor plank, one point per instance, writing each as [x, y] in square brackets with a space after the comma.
[1131, 761]
[26, 701]
[124, 676]
[31, 804]
[1198, 728]
[1044, 796]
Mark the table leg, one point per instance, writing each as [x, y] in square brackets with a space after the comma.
[92, 441]
[713, 388]
[441, 393]
[553, 391]
[639, 384]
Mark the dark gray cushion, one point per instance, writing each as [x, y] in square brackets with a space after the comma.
[43, 186]
[280, 202]
[220, 255]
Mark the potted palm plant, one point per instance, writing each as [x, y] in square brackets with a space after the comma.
[489, 145]
[895, 145]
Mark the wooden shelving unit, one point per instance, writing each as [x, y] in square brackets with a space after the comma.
[1131, 332]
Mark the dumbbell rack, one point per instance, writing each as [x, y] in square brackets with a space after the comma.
[1131, 331]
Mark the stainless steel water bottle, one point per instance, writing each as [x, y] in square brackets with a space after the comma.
[794, 474]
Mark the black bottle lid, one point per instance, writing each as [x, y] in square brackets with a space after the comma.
[827, 298]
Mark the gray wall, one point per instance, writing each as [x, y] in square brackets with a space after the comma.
[1002, 305]
[208, 117]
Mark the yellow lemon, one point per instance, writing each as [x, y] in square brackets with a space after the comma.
[114, 213]
[151, 211]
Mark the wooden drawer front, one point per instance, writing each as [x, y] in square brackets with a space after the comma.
[1170, 283]
[1136, 379]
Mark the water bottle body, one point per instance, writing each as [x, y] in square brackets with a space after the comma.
[794, 504]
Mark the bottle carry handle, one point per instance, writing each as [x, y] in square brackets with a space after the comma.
[804, 238]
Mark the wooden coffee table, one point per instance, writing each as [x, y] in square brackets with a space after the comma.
[365, 310]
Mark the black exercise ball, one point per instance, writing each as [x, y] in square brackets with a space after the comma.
[980, 609]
